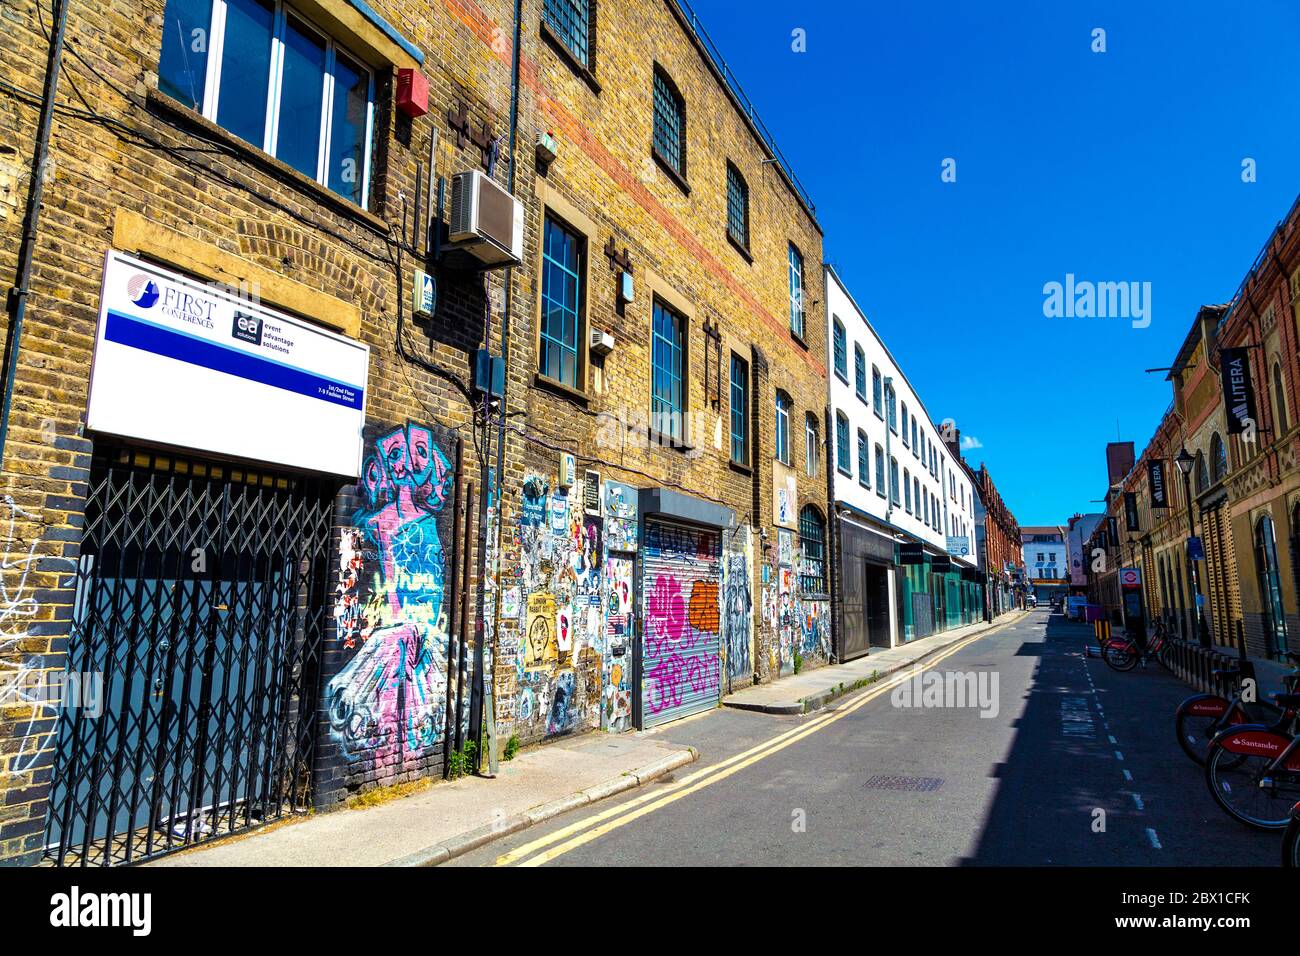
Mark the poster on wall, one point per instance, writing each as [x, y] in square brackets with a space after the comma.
[197, 365]
[784, 548]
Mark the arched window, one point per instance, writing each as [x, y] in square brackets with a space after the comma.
[669, 123]
[1202, 475]
[812, 540]
[1279, 400]
[1270, 588]
[1218, 459]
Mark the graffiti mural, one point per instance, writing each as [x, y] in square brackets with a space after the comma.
[737, 611]
[815, 630]
[21, 678]
[785, 619]
[388, 701]
[681, 643]
[616, 668]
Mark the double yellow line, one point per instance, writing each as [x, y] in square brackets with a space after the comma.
[597, 825]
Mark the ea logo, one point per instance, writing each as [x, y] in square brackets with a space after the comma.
[247, 328]
[142, 290]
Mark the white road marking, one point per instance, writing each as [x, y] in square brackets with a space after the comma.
[1118, 755]
[1155, 840]
[1137, 799]
[1128, 776]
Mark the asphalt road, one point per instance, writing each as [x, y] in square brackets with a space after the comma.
[1076, 765]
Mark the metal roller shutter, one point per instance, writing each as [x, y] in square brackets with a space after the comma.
[680, 640]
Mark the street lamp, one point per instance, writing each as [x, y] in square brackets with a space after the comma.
[1184, 461]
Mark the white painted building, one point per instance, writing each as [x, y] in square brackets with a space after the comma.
[899, 495]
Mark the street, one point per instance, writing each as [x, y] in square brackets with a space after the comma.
[870, 783]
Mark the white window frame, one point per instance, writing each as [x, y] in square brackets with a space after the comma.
[271, 133]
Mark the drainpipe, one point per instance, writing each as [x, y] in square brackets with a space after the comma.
[17, 304]
[495, 490]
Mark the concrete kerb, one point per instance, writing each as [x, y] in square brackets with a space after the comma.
[817, 701]
[470, 840]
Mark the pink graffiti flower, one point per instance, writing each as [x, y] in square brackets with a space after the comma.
[666, 608]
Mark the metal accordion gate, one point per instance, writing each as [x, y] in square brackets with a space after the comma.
[202, 599]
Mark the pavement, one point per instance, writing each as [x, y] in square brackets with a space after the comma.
[813, 689]
[1076, 765]
[452, 817]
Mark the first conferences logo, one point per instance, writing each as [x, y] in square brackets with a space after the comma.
[76, 909]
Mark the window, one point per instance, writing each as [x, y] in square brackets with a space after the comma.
[860, 372]
[893, 480]
[272, 79]
[667, 356]
[739, 410]
[916, 494]
[561, 320]
[1218, 459]
[864, 460]
[812, 541]
[1280, 398]
[915, 453]
[843, 459]
[904, 424]
[907, 491]
[1201, 474]
[810, 443]
[876, 393]
[880, 471]
[670, 124]
[737, 207]
[783, 427]
[891, 409]
[1270, 587]
[840, 348]
[796, 291]
[570, 21]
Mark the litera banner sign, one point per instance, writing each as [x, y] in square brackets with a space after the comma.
[1238, 395]
[1156, 482]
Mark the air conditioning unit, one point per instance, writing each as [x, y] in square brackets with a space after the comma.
[486, 221]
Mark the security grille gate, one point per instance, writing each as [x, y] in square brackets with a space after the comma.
[680, 643]
[201, 600]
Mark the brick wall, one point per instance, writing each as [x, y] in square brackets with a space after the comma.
[184, 176]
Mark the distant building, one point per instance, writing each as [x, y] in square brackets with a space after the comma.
[1046, 560]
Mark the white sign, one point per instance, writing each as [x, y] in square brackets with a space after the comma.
[199, 366]
[426, 293]
[959, 545]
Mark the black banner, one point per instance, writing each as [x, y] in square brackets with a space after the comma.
[1131, 518]
[1156, 482]
[1112, 532]
[1238, 395]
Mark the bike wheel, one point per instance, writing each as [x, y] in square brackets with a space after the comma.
[1195, 731]
[1165, 656]
[1233, 780]
[1121, 657]
[1291, 844]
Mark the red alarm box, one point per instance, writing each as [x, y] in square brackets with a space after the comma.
[412, 92]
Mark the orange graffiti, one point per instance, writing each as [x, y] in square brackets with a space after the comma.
[703, 613]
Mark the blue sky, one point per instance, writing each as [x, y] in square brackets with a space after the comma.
[1116, 166]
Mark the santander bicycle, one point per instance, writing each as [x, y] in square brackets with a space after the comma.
[1291, 842]
[1253, 770]
[1202, 717]
[1125, 653]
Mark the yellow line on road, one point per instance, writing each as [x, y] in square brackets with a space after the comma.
[627, 812]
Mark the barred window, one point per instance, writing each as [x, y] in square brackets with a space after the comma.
[812, 540]
[670, 123]
[570, 20]
[737, 207]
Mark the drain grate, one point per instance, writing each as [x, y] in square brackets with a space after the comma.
[891, 781]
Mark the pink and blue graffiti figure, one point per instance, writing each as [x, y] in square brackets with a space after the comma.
[390, 698]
